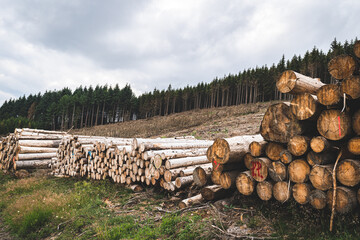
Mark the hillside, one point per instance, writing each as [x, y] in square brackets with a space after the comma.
[200, 123]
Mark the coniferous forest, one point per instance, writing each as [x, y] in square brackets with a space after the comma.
[91, 106]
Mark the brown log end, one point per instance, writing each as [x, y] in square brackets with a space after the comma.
[245, 183]
[351, 87]
[317, 199]
[220, 150]
[342, 66]
[299, 171]
[329, 94]
[348, 172]
[301, 192]
[298, 145]
[321, 177]
[281, 191]
[303, 106]
[345, 199]
[334, 124]
[264, 190]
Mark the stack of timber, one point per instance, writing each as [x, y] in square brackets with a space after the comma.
[166, 162]
[29, 149]
[312, 147]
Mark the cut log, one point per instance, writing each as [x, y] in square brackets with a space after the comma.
[299, 171]
[305, 106]
[354, 145]
[322, 158]
[351, 87]
[329, 94]
[190, 169]
[342, 66]
[334, 124]
[44, 143]
[319, 144]
[181, 182]
[277, 171]
[171, 174]
[191, 201]
[348, 172]
[295, 83]
[259, 168]
[209, 153]
[224, 152]
[247, 160]
[245, 183]
[273, 150]
[257, 149]
[286, 156]
[356, 122]
[214, 192]
[174, 145]
[36, 156]
[200, 176]
[301, 192]
[228, 179]
[317, 199]
[298, 145]
[281, 191]
[183, 162]
[23, 150]
[321, 177]
[177, 153]
[264, 190]
[280, 124]
[357, 49]
[32, 164]
[345, 199]
[215, 177]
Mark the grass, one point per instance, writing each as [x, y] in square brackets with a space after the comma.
[64, 208]
[39, 208]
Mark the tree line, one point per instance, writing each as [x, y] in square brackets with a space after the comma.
[91, 106]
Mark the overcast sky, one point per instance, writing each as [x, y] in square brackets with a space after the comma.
[48, 45]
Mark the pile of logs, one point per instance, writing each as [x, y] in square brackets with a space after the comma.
[29, 149]
[312, 145]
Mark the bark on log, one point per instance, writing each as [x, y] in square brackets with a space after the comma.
[348, 172]
[33, 164]
[321, 177]
[273, 150]
[181, 182]
[277, 171]
[191, 201]
[354, 145]
[257, 149]
[224, 152]
[190, 169]
[264, 190]
[179, 153]
[301, 192]
[345, 199]
[334, 124]
[259, 168]
[319, 144]
[228, 179]
[351, 87]
[245, 183]
[305, 106]
[357, 49]
[44, 143]
[280, 124]
[329, 94]
[298, 145]
[214, 192]
[342, 66]
[299, 171]
[35, 156]
[183, 162]
[281, 191]
[317, 199]
[295, 83]
[23, 150]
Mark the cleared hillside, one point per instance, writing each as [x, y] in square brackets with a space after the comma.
[201, 123]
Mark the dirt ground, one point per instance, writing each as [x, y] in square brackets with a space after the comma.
[201, 123]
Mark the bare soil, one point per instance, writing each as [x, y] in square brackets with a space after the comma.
[200, 123]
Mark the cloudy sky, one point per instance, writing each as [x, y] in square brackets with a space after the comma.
[48, 45]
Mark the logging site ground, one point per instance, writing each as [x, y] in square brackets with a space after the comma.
[43, 207]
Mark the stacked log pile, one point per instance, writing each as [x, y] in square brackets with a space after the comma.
[29, 149]
[167, 162]
[312, 146]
